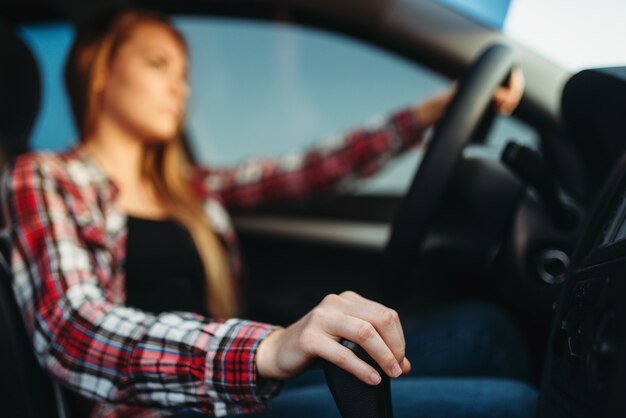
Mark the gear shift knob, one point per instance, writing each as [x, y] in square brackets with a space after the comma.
[354, 398]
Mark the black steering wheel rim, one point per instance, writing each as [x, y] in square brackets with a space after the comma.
[453, 132]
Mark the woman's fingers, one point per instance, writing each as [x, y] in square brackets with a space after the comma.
[385, 320]
[365, 334]
[405, 364]
[507, 98]
[331, 350]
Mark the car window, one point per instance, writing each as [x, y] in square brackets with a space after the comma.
[50, 43]
[264, 89]
[531, 22]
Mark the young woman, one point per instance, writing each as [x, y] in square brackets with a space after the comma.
[125, 264]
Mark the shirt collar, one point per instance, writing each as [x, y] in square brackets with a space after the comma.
[97, 173]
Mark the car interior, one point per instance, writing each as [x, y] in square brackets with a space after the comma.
[537, 230]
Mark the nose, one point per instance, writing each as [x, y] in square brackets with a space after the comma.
[179, 87]
[185, 89]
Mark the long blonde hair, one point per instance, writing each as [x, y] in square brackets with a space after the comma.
[164, 164]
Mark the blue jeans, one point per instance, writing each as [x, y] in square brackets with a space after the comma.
[468, 361]
[435, 397]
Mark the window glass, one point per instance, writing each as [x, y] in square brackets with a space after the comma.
[50, 43]
[573, 34]
[490, 13]
[553, 28]
[267, 89]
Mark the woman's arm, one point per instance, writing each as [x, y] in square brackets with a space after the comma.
[336, 164]
[106, 351]
[332, 165]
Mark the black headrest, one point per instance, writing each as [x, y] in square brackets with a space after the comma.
[593, 108]
[25, 390]
[19, 92]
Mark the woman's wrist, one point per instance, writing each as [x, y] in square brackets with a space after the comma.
[428, 112]
[266, 364]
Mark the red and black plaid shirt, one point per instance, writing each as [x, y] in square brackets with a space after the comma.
[67, 242]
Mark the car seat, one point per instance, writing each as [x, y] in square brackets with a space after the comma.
[25, 390]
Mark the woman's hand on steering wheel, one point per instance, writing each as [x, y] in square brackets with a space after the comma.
[506, 98]
[287, 351]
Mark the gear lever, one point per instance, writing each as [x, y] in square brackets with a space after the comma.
[354, 398]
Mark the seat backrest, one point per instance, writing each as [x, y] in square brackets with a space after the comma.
[19, 92]
[25, 390]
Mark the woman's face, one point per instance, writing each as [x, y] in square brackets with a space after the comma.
[145, 88]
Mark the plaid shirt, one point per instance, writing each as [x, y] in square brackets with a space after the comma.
[67, 251]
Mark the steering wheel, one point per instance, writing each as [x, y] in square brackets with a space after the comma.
[455, 129]
[461, 119]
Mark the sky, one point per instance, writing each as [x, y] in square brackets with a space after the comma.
[575, 34]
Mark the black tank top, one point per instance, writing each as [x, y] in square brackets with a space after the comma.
[163, 268]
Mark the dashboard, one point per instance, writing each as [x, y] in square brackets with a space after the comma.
[585, 369]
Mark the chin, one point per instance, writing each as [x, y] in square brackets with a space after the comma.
[162, 136]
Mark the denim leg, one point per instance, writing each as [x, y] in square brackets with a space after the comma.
[470, 339]
[463, 398]
[417, 398]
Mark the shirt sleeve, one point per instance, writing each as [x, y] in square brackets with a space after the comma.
[106, 351]
[334, 165]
